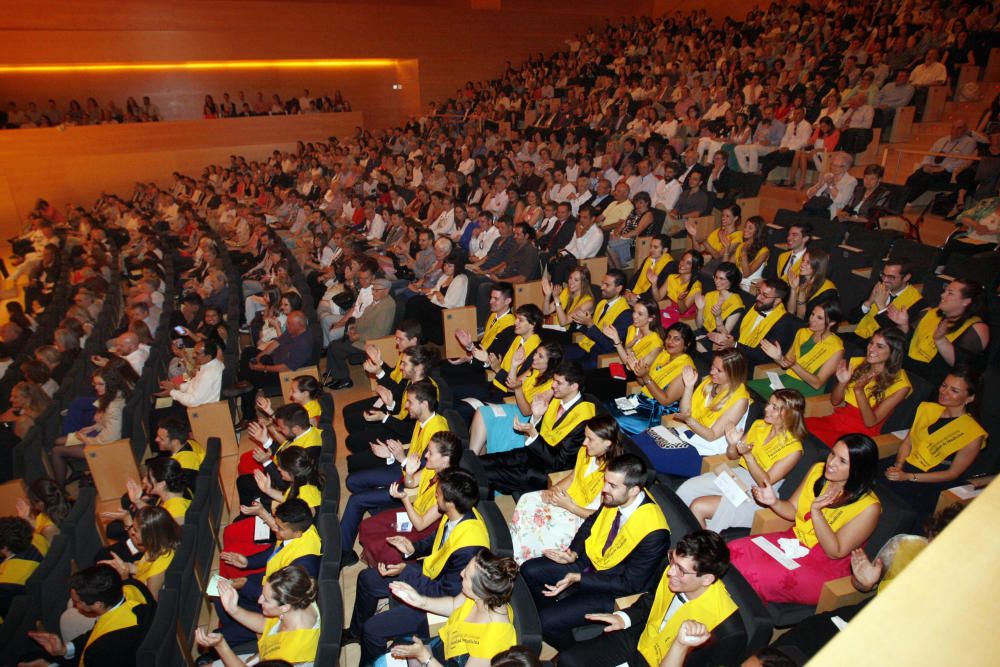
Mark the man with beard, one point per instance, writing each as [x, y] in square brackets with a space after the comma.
[767, 319]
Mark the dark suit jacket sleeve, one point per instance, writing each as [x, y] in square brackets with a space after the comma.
[502, 342]
[634, 573]
[562, 455]
[449, 582]
[782, 333]
[386, 381]
[115, 649]
[602, 344]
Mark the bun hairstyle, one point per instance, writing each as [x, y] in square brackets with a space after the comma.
[47, 493]
[169, 471]
[293, 586]
[309, 385]
[494, 578]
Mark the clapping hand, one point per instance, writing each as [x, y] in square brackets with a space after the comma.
[693, 633]
[734, 436]
[843, 372]
[561, 556]
[899, 316]
[866, 572]
[689, 376]
[764, 495]
[825, 499]
[380, 449]
[771, 349]
[263, 404]
[406, 593]
[228, 596]
[385, 394]
[464, 338]
[263, 481]
[257, 431]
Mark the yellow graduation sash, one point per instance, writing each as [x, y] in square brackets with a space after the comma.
[313, 408]
[818, 355]
[477, 640]
[529, 345]
[784, 270]
[644, 345]
[677, 285]
[191, 456]
[732, 303]
[468, 533]
[664, 370]
[770, 452]
[426, 498]
[145, 569]
[922, 345]
[42, 521]
[710, 609]
[554, 430]
[309, 544]
[869, 325]
[642, 284]
[825, 287]
[584, 488]
[643, 521]
[836, 517]
[309, 494]
[902, 381]
[397, 373]
[176, 507]
[750, 260]
[930, 449]
[530, 386]
[16, 569]
[119, 618]
[752, 334]
[422, 434]
[311, 437]
[714, 239]
[705, 411]
[292, 646]
[604, 315]
[494, 326]
[568, 306]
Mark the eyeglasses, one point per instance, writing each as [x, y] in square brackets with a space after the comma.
[673, 564]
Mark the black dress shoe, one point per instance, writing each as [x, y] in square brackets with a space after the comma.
[339, 384]
[348, 558]
[348, 637]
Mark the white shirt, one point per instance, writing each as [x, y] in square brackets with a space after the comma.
[845, 190]
[444, 224]
[645, 184]
[560, 193]
[928, 75]
[586, 246]
[364, 300]
[666, 194]
[579, 201]
[796, 135]
[376, 228]
[481, 244]
[204, 387]
[137, 358]
[467, 166]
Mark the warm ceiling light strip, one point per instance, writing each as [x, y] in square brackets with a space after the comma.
[339, 63]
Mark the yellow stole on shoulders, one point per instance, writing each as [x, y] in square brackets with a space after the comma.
[146, 569]
[584, 488]
[825, 287]
[644, 345]
[922, 345]
[531, 387]
[678, 284]
[190, 459]
[553, 429]
[308, 493]
[604, 315]
[705, 411]
[836, 517]
[710, 609]
[477, 640]
[119, 618]
[42, 521]
[495, 326]
[176, 507]
[643, 521]
[664, 370]
[818, 355]
[752, 334]
[468, 533]
[292, 646]
[930, 449]
[642, 284]
[425, 498]
[770, 452]
[784, 269]
[869, 325]
[569, 306]
[902, 381]
[311, 437]
[397, 373]
[732, 303]
[313, 408]
[529, 345]
[714, 239]
[309, 544]
[403, 413]
[422, 435]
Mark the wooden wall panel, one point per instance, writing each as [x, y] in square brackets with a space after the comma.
[75, 164]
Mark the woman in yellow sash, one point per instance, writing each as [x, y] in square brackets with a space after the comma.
[444, 451]
[156, 535]
[719, 241]
[941, 445]
[721, 309]
[750, 254]
[810, 285]
[549, 519]
[642, 343]
[492, 428]
[563, 301]
[480, 620]
[46, 507]
[680, 289]
[868, 389]
[834, 511]
[661, 386]
[288, 626]
[305, 391]
[299, 469]
[812, 359]
[767, 452]
[950, 334]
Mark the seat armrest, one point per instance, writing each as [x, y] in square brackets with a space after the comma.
[766, 521]
[839, 593]
[760, 371]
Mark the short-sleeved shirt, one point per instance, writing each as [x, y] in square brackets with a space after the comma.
[293, 351]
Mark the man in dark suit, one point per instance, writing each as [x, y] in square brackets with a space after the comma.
[691, 165]
[767, 319]
[617, 551]
[721, 182]
[690, 589]
[562, 231]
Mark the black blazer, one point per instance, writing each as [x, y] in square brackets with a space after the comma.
[782, 333]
